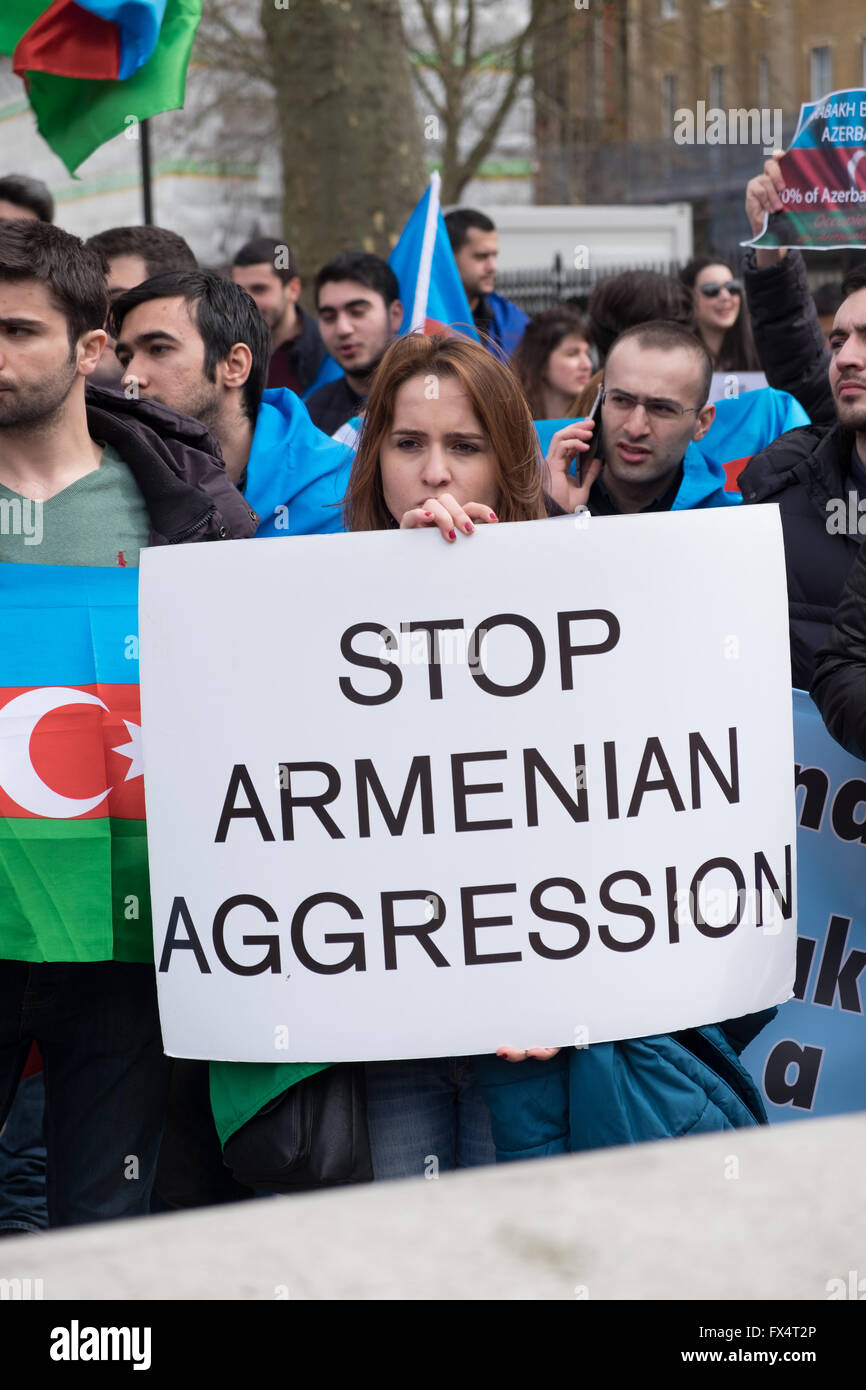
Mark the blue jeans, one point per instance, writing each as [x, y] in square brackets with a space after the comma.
[426, 1116]
[22, 1161]
[106, 1080]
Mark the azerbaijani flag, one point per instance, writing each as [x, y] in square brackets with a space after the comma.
[91, 64]
[744, 425]
[824, 199]
[431, 290]
[73, 852]
[430, 286]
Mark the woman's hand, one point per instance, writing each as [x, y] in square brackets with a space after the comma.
[447, 513]
[515, 1054]
[566, 445]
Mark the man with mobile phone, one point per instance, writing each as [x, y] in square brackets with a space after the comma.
[635, 453]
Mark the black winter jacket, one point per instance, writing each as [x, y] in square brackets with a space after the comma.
[839, 687]
[177, 465]
[804, 470]
[790, 343]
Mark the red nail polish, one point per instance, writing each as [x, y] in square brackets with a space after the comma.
[428, 513]
[452, 535]
[493, 516]
[469, 528]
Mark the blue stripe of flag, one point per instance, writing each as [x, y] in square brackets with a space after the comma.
[68, 625]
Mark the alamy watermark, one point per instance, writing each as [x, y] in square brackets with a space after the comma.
[21, 516]
[737, 126]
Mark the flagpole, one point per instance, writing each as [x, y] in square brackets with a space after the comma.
[425, 263]
[146, 188]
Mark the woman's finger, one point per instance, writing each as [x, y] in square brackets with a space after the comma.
[518, 1054]
[459, 517]
[417, 517]
[441, 517]
[479, 512]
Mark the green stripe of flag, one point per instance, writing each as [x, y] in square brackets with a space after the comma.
[16, 17]
[74, 890]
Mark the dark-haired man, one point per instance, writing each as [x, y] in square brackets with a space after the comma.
[267, 270]
[475, 244]
[21, 196]
[360, 313]
[656, 381]
[109, 475]
[198, 343]
[133, 254]
[817, 476]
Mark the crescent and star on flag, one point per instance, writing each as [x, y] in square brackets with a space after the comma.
[19, 778]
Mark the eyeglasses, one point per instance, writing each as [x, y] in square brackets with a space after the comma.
[621, 403]
[710, 290]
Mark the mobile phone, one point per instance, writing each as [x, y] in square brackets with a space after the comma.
[589, 454]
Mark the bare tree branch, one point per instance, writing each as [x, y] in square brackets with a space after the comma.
[426, 8]
[428, 93]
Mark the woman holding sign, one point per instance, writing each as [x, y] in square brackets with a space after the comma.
[448, 442]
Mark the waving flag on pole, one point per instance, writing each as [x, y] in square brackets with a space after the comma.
[73, 851]
[430, 286]
[431, 290]
[90, 65]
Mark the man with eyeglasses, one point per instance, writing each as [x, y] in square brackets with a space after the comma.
[653, 405]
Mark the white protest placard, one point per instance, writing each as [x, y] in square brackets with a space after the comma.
[408, 799]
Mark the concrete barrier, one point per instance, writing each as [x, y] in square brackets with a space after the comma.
[748, 1214]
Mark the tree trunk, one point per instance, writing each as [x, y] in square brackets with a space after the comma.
[351, 141]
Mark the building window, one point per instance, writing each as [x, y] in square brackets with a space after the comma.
[718, 4]
[821, 71]
[669, 102]
[669, 9]
[764, 82]
[717, 87]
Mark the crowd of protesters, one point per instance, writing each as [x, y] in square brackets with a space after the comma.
[147, 401]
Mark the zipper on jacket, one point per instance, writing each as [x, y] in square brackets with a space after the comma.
[191, 530]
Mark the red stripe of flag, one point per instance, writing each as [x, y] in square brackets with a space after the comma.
[73, 751]
[733, 471]
[70, 42]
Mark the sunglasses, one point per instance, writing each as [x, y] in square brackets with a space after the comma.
[711, 290]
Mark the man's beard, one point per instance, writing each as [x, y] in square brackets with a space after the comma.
[202, 405]
[366, 368]
[850, 415]
[37, 407]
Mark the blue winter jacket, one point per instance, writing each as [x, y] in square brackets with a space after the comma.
[508, 324]
[624, 1092]
[296, 475]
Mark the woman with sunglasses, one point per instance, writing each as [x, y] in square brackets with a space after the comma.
[719, 317]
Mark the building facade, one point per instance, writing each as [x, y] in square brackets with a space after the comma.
[609, 86]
